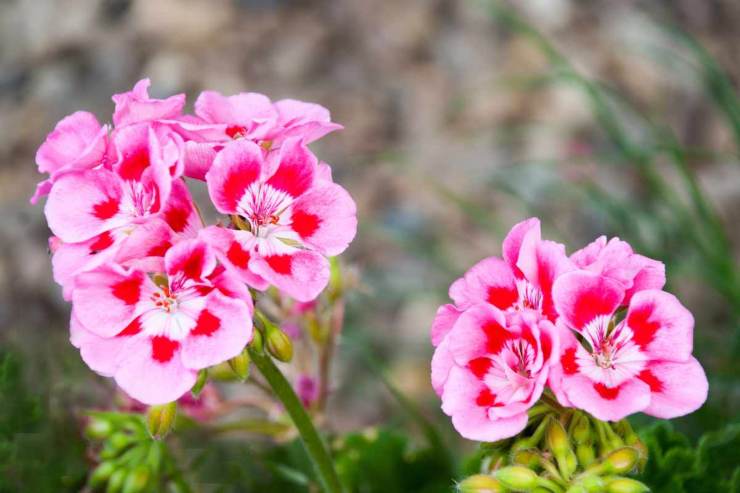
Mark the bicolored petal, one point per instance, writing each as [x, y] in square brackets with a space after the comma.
[179, 211]
[580, 296]
[221, 332]
[235, 168]
[651, 275]
[234, 250]
[301, 274]
[136, 106]
[603, 402]
[252, 111]
[676, 389]
[513, 241]
[325, 217]
[151, 371]
[295, 173]
[84, 204]
[78, 141]
[190, 259]
[541, 262]
[661, 325]
[480, 331]
[491, 280]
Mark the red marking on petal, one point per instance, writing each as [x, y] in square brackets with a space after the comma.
[608, 393]
[177, 218]
[643, 329]
[236, 184]
[568, 360]
[128, 290]
[159, 250]
[102, 242]
[237, 255]
[502, 297]
[496, 335]
[485, 398]
[236, 131]
[305, 224]
[163, 348]
[131, 329]
[649, 378]
[106, 209]
[134, 164]
[479, 366]
[292, 178]
[282, 264]
[206, 325]
[193, 265]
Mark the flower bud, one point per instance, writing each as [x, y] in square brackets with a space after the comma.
[256, 343]
[592, 483]
[621, 460]
[200, 382]
[116, 480]
[120, 440]
[517, 478]
[557, 439]
[581, 429]
[101, 474]
[626, 485]
[278, 343]
[576, 488]
[586, 455]
[527, 458]
[136, 480]
[480, 483]
[161, 420]
[98, 428]
[239, 364]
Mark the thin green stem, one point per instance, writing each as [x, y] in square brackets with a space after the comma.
[315, 447]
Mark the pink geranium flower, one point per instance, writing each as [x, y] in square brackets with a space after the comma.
[491, 368]
[77, 142]
[293, 220]
[617, 260]
[154, 337]
[521, 280]
[619, 367]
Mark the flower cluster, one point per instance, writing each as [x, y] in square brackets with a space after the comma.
[157, 294]
[595, 327]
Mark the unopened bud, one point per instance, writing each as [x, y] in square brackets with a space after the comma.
[621, 461]
[581, 429]
[586, 455]
[136, 480]
[120, 440]
[101, 474]
[161, 420]
[116, 480]
[592, 483]
[480, 483]
[256, 343]
[200, 382]
[239, 364]
[527, 458]
[278, 343]
[557, 439]
[98, 428]
[576, 488]
[517, 478]
[626, 485]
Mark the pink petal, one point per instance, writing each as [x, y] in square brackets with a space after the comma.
[180, 213]
[235, 168]
[650, 276]
[199, 157]
[581, 296]
[296, 170]
[150, 371]
[300, 119]
[604, 403]
[77, 141]
[222, 331]
[191, 259]
[70, 259]
[83, 204]
[661, 325]
[325, 217]
[302, 274]
[249, 109]
[588, 254]
[104, 300]
[42, 189]
[136, 106]
[513, 241]
[446, 317]
[101, 354]
[541, 262]
[491, 280]
[442, 363]
[677, 388]
[234, 250]
[479, 331]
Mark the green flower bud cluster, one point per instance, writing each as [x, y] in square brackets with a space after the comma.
[129, 460]
[562, 451]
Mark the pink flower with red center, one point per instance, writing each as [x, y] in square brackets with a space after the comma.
[252, 116]
[522, 280]
[490, 368]
[154, 337]
[618, 367]
[616, 259]
[290, 219]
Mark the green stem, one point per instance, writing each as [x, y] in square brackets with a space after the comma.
[311, 440]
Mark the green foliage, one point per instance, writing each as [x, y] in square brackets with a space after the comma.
[40, 450]
[677, 466]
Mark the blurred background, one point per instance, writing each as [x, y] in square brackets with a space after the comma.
[462, 118]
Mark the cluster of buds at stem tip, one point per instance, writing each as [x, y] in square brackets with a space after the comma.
[129, 460]
[562, 451]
